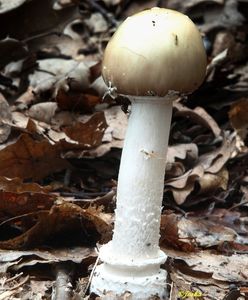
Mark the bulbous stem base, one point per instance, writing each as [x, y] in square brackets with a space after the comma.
[139, 280]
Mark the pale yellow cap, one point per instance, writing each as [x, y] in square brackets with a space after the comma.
[153, 52]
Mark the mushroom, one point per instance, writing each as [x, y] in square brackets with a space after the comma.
[153, 56]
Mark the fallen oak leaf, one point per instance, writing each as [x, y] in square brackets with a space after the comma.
[57, 74]
[198, 115]
[22, 258]
[89, 134]
[18, 198]
[83, 102]
[16, 185]
[182, 181]
[204, 232]
[209, 182]
[169, 234]
[62, 217]
[15, 261]
[238, 117]
[186, 152]
[197, 180]
[29, 158]
[78, 136]
[231, 269]
[14, 204]
[43, 112]
[182, 186]
[214, 161]
[189, 233]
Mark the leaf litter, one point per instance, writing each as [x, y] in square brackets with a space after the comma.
[60, 148]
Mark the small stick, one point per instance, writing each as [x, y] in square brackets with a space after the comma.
[63, 285]
[91, 274]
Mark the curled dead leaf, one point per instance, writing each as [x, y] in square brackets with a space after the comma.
[43, 112]
[30, 158]
[198, 115]
[183, 185]
[238, 117]
[5, 119]
[209, 182]
[169, 234]
[214, 161]
[64, 217]
[88, 134]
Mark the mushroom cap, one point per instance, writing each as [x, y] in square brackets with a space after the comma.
[153, 52]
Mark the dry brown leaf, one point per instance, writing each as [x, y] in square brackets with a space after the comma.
[198, 115]
[204, 233]
[186, 152]
[29, 158]
[82, 102]
[71, 132]
[169, 234]
[182, 181]
[189, 284]
[217, 61]
[187, 6]
[20, 259]
[222, 268]
[14, 204]
[64, 217]
[115, 132]
[16, 185]
[18, 198]
[238, 117]
[117, 123]
[26, 98]
[182, 186]
[43, 112]
[5, 119]
[55, 74]
[214, 161]
[216, 228]
[19, 120]
[209, 183]
[87, 134]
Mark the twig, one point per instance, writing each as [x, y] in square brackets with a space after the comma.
[83, 195]
[41, 35]
[63, 285]
[21, 216]
[91, 274]
[238, 205]
[25, 279]
[13, 278]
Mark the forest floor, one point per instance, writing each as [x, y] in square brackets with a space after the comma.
[60, 147]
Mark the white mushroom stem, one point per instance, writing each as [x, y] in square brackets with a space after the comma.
[131, 261]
